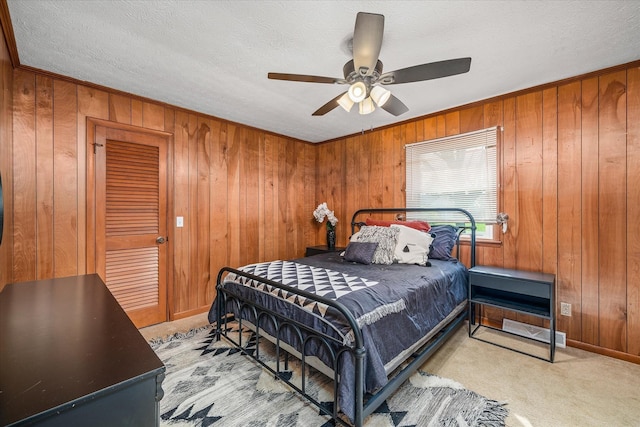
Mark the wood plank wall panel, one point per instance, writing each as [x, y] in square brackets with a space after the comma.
[261, 196]
[181, 209]
[120, 108]
[192, 205]
[280, 204]
[269, 195]
[289, 195]
[249, 178]
[492, 114]
[375, 185]
[549, 231]
[6, 161]
[566, 172]
[528, 167]
[24, 177]
[136, 112]
[390, 168]
[65, 179]
[203, 211]
[509, 183]
[298, 214]
[91, 103]
[569, 205]
[44, 181]
[310, 201]
[589, 213]
[217, 197]
[612, 214]
[331, 181]
[399, 168]
[152, 116]
[633, 211]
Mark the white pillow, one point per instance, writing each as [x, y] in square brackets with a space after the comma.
[412, 246]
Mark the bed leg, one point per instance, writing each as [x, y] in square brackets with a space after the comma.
[359, 389]
[219, 316]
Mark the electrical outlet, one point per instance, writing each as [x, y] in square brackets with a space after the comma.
[565, 309]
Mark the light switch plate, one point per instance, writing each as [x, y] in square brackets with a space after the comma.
[179, 221]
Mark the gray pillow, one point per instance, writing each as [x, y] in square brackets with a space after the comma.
[360, 252]
[445, 237]
[386, 237]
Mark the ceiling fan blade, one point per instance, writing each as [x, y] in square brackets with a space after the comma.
[303, 78]
[394, 106]
[328, 106]
[367, 42]
[432, 70]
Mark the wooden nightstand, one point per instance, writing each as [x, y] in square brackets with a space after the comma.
[322, 249]
[525, 292]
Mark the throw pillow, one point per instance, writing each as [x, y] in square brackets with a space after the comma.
[386, 237]
[445, 238]
[412, 246]
[418, 225]
[360, 252]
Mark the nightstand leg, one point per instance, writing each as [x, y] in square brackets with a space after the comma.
[552, 338]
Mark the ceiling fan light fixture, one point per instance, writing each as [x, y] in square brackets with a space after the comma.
[357, 91]
[367, 106]
[346, 102]
[380, 95]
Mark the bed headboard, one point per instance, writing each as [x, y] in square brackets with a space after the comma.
[460, 217]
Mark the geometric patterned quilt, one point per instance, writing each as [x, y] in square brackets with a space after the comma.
[320, 281]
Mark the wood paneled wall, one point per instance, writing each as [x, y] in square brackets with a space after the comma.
[243, 193]
[570, 167]
[6, 160]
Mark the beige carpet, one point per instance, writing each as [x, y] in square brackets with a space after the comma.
[579, 389]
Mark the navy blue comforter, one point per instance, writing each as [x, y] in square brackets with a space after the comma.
[395, 305]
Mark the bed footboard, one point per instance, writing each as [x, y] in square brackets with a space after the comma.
[272, 325]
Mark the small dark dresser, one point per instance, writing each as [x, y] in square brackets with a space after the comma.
[70, 356]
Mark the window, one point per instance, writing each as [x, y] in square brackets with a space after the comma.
[456, 172]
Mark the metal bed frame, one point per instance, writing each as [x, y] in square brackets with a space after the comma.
[276, 323]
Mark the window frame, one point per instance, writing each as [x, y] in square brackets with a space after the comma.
[495, 235]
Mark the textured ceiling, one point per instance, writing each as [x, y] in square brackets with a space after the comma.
[213, 56]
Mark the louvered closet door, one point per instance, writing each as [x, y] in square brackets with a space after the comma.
[131, 221]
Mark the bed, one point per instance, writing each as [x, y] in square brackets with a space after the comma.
[368, 326]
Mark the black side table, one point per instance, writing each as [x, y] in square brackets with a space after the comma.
[525, 292]
[322, 249]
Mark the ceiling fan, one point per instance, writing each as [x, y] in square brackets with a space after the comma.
[364, 73]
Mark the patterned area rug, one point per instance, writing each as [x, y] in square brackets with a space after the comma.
[209, 383]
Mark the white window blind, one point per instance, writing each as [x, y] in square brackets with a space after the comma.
[457, 171]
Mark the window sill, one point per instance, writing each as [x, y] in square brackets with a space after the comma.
[481, 242]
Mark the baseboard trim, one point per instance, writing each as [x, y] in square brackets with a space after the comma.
[605, 351]
[189, 313]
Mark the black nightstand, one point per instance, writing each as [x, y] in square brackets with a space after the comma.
[322, 249]
[520, 291]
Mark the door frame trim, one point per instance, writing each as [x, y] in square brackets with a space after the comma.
[92, 124]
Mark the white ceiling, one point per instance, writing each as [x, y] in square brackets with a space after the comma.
[213, 56]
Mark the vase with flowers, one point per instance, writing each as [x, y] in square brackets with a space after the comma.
[322, 212]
